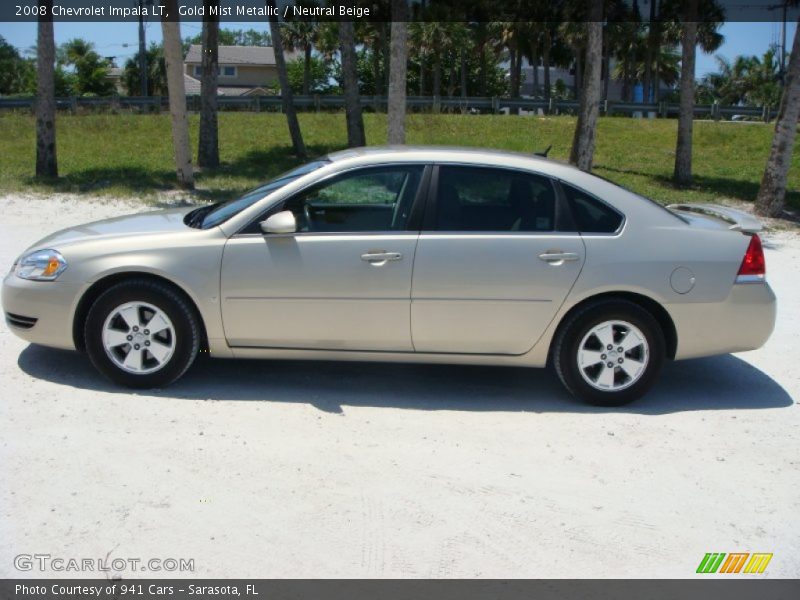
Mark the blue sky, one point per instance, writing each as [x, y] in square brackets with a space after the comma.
[120, 39]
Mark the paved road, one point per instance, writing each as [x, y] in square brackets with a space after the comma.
[292, 469]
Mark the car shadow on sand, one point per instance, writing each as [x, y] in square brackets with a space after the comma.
[722, 382]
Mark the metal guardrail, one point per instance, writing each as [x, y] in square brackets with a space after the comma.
[431, 103]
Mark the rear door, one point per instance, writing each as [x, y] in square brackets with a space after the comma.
[342, 281]
[491, 268]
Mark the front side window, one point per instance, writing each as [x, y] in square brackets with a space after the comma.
[485, 199]
[373, 199]
[591, 215]
[219, 213]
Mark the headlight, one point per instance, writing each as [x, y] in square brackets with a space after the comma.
[40, 265]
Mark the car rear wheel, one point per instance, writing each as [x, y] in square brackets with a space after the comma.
[142, 334]
[610, 352]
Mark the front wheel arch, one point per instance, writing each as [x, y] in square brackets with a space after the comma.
[658, 312]
[101, 285]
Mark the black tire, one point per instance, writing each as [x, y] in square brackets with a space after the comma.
[570, 336]
[182, 315]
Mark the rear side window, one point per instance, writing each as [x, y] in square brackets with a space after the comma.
[484, 199]
[591, 215]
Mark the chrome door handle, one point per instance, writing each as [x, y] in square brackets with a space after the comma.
[379, 258]
[558, 257]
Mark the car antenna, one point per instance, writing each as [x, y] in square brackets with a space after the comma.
[543, 154]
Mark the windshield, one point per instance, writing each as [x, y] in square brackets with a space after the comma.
[222, 212]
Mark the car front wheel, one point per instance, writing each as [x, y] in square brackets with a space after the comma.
[610, 352]
[141, 333]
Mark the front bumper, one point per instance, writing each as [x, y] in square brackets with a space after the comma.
[743, 321]
[50, 303]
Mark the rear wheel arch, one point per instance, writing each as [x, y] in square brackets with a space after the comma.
[107, 282]
[658, 312]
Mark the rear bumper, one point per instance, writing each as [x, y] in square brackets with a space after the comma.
[743, 321]
[40, 312]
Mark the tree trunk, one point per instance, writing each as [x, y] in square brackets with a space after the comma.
[655, 80]
[512, 71]
[287, 100]
[397, 73]
[173, 56]
[437, 75]
[683, 150]
[578, 82]
[772, 193]
[352, 104]
[583, 141]
[651, 38]
[208, 147]
[307, 69]
[482, 71]
[421, 74]
[46, 164]
[606, 67]
[451, 79]
[387, 33]
[376, 66]
[463, 73]
[535, 67]
[546, 60]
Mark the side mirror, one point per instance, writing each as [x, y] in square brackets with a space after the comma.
[282, 222]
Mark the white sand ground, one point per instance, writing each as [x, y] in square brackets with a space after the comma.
[271, 469]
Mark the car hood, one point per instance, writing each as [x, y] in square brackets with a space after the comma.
[169, 221]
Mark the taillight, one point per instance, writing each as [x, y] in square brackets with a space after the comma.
[753, 268]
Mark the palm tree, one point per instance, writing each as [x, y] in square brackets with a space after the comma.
[301, 35]
[156, 73]
[46, 164]
[682, 174]
[283, 78]
[352, 102]
[745, 80]
[208, 146]
[583, 141]
[397, 73]
[629, 44]
[173, 55]
[573, 34]
[664, 65]
[772, 193]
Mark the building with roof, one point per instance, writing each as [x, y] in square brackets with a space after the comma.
[243, 70]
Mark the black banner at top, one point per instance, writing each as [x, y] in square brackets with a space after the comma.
[380, 10]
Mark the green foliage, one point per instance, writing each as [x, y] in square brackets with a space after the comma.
[156, 73]
[233, 37]
[17, 74]
[89, 70]
[747, 80]
[320, 75]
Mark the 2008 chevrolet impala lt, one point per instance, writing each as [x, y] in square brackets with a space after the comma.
[406, 254]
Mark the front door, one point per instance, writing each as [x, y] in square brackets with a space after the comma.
[491, 269]
[342, 282]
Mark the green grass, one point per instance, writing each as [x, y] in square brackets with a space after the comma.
[131, 155]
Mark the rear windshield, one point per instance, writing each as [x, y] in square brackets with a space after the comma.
[223, 212]
[641, 197]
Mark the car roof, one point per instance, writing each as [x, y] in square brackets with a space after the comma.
[438, 153]
[458, 154]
